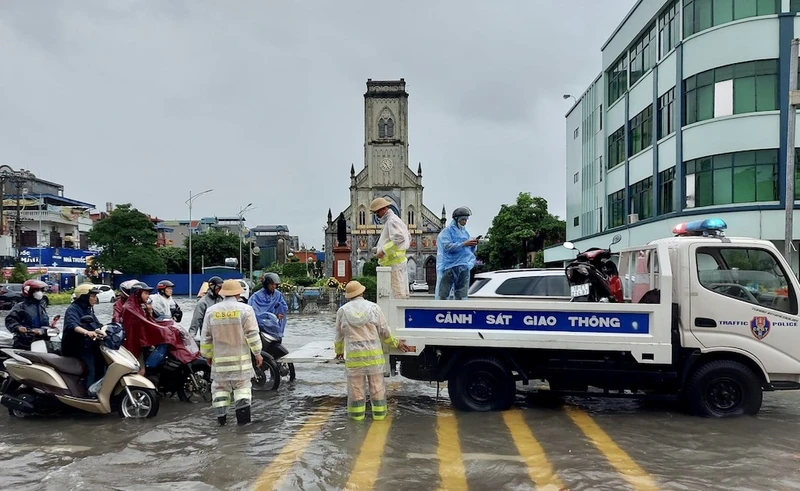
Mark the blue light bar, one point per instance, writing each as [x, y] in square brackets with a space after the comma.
[709, 226]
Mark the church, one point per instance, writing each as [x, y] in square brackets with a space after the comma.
[387, 174]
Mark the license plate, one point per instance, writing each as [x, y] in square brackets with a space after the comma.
[580, 290]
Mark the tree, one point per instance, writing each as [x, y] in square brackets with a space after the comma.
[175, 258]
[212, 248]
[127, 239]
[518, 229]
[370, 268]
[19, 274]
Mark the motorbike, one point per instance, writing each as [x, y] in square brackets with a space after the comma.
[593, 276]
[269, 374]
[46, 344]
[40, 384]
[187, 381]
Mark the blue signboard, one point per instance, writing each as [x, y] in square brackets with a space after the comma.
[530, 320]
[56, 257]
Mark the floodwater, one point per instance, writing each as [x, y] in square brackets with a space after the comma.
[301, 439]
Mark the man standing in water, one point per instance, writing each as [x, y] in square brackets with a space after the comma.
[392, 245]
[360, 328]
[230, 335]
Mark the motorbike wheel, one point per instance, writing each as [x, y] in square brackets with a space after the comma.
[291, 372]
[201, 389]
[268, 370]
[26, 396]
[143, 406]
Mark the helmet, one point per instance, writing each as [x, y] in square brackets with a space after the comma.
[461, 211]
[164, 284]
[84, 290]
[125, 287]
[270, 278]
[140, 285]
[32, 285]
[215, 281]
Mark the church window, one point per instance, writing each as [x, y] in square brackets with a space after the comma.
[386, 128]
[362, 217]
[411, 217]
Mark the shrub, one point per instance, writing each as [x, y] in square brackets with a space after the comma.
[371, 293]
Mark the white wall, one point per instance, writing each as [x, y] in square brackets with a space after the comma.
[713, 47]
[632, 26]
[731, 134]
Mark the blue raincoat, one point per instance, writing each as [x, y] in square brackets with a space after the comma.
[450, 253]
[264, 302]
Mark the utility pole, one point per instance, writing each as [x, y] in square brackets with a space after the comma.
[794, 102]
[189, 202]
[241, 213]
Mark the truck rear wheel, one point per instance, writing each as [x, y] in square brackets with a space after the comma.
[481, 384]
[722, 389]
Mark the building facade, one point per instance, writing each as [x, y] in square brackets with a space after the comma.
[687, 120]
[386, 173]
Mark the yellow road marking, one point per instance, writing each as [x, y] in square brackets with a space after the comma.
[282, 464]
[539, 469]
[452, 474]
[622, 462]
[365, 472]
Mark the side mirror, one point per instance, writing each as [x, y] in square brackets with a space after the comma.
[569, 245]
[616, 239]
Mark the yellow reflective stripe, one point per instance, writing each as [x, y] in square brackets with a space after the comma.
[231, 368]
[393, 255]
[255, 346]
[365, 353]
[227, 359]
[362, 364]
[239, 394]
[339, 348]
[207, 350]
[253, 337]
[391, 341]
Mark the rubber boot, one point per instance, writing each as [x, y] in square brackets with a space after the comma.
[243, 415]
[222, 420]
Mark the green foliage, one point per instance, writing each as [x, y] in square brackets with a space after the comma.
[371, 293]
[295, 270]
[304, 281]
[212, 248]
[370, 268]
[513, 225]
[175, 258]
[20, 274]
[127, 239]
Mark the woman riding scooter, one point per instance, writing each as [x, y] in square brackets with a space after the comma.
[28, 319]
[270, 300]
[141, 331]
[77, 340]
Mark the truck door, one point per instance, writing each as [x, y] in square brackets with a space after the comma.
[743, 298]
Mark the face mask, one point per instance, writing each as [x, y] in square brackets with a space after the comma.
[38, 295]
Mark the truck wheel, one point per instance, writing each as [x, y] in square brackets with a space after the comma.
[482, 384]
[724, 388]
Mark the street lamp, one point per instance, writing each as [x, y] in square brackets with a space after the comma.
[241, 212]
[189, 202]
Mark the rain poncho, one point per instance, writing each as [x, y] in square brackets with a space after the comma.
[200, 309]
[30, 314]
[394, 242]
[360, 328]
[452, 257]
[142, 331]
[273, 303]
[230, 335]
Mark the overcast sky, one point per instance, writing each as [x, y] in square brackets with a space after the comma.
[143, 101]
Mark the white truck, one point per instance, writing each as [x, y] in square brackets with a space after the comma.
[721, 327]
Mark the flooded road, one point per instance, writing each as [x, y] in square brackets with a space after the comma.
[301, 439]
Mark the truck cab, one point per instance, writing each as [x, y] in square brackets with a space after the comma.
[706, 319]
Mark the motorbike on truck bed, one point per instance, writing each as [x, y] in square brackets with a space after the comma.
[705, 319]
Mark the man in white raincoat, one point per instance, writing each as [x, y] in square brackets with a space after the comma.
[230, 335]
[360, 328]
[392, 245]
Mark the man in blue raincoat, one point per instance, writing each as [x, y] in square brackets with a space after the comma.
[270, 300]
[455, 257]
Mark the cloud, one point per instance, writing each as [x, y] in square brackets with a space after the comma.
[143, 101]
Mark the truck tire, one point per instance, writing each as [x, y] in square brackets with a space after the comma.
[723, 388]
[481, 384]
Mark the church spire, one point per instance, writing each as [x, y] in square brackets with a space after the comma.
[419, 170]
[352, 170]
[330, 216]
[444, 216]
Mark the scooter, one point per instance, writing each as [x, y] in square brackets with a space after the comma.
[46, 384]
[593, 276]
[46, 344]
[272, 351]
